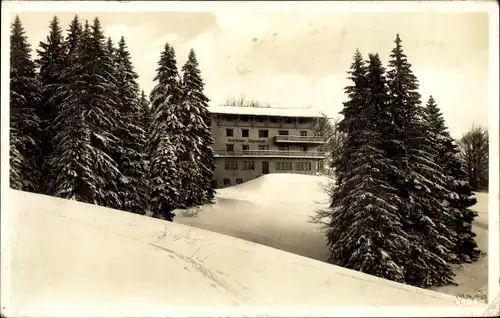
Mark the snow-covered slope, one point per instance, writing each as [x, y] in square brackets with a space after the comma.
[274, 210]
[64, 258]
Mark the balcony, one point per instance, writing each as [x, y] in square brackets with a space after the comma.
[316, 140]
[270, 154]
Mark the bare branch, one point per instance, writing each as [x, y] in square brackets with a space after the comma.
[474, 154]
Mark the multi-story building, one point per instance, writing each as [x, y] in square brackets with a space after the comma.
[251, 141]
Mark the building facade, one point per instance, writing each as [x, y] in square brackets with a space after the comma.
[251, 142]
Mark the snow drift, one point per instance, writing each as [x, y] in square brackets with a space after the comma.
[65, 258]
[272, 210]
[279, 187]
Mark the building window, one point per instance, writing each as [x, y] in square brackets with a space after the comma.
[284, 166]
[288, 120]
[284, 148]
[227, 181]
[248, 165]
[244, 118]
[303, 133]
[261, 119]
[244, 133]
[274, 119]
[303, 166]
[229, 132]
[245, 147]
[263, 133]
[230, 147]
[304, 148]
[283, 132]
[239, 180]
[231, 165]
[301, 120]
[263, 147]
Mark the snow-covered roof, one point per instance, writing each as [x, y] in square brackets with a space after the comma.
[104, 262]
[265, 111]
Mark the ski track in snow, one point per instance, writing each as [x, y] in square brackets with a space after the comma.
[104, 262]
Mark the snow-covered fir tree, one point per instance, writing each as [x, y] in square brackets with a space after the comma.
[145, 121]
[421, 185]
[25, 99]
[130, 155]
[199, 183]
[145, 111]
[85, 123]
[71, 44]
[356, 101]
[73, 37]
[52, 59]
[461, 196]
[110, 47]
[365, 232]
[166, 138]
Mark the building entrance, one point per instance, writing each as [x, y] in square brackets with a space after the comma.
[265, 167]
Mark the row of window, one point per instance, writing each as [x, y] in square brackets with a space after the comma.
[230, 147]
[263, 133]
[246, 165]
[262, 119]
[280, 165]
[287, 166]
[287, 148]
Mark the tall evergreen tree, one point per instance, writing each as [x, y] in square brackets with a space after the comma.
[166, 137]
[420, 183]
[71, 43]
[461, 196]
[86, 120]
[199, 184]
[145, 111]
[131, 155]
[366, 232]
[25, 98]
[356, 101]
[74, 36]
[51, 60]
[110, 48]
[145, 121]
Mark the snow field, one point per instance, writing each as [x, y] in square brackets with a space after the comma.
[274, 210]
[473, 277]
[65, 258]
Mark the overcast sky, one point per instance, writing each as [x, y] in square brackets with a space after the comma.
[299, 59]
